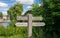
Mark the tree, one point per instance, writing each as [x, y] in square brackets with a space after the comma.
[15, 11]
[1, 14]
[51, 16]
[37, 10]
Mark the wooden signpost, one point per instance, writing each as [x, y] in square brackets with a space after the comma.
[29, 24]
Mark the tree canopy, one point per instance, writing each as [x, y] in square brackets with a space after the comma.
[51, 16]
[37, 10]
[50, 10]
[15, 10]
[1, 14]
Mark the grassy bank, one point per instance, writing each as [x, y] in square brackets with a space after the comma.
[20, 32]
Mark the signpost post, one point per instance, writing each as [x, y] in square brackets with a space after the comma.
[30, 26]
[30, 23]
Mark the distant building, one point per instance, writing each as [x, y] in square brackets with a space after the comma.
[5, 17]
[4, 20]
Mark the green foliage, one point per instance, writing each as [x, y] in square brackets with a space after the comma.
[1, 14]
[15, 11]
[36, 10]
[20, 32]
[18, 36]
[51, 16]
[12, 23]
[37, 32]
[11, 31]
[2, 29]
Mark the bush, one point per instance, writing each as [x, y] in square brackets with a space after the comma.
[37, 32]
[2, 30]
[9, 31]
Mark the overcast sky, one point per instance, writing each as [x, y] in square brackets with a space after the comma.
[6, 4]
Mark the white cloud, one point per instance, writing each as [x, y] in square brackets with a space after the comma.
[39, 4]
[29, 7]
[4, 12]
[25, 1]
[5, 9]
[3, 5]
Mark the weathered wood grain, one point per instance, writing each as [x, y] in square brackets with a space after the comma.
[26, 18]
[33, 24]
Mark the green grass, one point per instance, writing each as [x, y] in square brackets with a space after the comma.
[15, 36]
[2, 37]
[20, 32]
